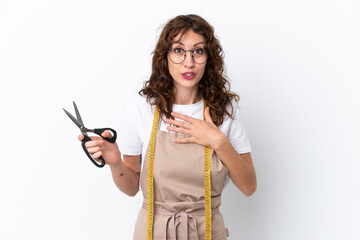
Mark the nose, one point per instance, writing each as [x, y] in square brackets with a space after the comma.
[189, 61]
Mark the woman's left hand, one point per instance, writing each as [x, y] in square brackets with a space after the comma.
[201, 132]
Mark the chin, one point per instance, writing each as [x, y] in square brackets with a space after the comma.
[187, 84]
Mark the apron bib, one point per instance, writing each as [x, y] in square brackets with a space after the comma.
[179, 212]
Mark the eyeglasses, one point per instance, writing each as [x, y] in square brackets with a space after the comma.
[178, 55]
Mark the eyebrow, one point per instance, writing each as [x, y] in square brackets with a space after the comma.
[184, 45]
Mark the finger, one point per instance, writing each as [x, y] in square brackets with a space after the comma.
[93, 150]
[178, 130]
[207, 115]
[178, 123]
[97, 155]
[183, 117]
[81, 137]
[94, 143]
[184, 140]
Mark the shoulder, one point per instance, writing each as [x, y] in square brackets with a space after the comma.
[233, 108]
[233, 122]
[137, 105]
[136, 115]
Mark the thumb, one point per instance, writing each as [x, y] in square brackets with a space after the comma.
[80, 137]
[106, 134]
[207, 115]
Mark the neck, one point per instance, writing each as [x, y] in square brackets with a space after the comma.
[186, 97]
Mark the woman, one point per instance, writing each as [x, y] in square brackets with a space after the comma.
[190, 93]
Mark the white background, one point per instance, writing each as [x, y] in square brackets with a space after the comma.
[295, 65]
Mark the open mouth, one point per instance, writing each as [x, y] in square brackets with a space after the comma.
[188, 75]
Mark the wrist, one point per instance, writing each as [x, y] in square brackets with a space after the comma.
[118, 161]
[219, 142]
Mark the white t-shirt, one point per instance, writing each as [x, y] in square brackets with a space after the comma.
[137, 120]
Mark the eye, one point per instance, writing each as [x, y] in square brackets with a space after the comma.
[178, 50]
[199, 51]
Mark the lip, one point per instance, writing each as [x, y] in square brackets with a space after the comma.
[188, 77]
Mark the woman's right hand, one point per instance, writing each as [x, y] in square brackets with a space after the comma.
[98, 147]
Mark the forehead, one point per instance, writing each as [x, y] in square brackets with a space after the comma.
[189, 38]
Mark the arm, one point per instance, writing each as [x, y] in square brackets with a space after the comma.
[126, 174]
[241, 169]
[126, 170]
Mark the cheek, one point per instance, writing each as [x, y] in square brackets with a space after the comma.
[172, 68]
[202, 70]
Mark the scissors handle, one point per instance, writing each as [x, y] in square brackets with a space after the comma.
[99, 131]
[86, 139]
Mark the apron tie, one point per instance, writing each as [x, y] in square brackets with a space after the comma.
[175, 218]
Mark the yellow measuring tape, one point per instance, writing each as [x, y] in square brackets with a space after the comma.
[150, 188]
[150, 194]
[207, 186]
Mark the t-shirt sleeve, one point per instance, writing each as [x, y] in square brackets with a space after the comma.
[237, 134]
[129, 139]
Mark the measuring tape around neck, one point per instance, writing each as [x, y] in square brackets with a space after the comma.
[150, 188]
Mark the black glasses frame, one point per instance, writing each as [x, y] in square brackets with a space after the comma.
[192, 56]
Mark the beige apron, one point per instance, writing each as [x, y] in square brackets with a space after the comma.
[179, 212]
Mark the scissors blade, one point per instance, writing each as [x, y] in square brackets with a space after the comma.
[73, 119]
[78, 116]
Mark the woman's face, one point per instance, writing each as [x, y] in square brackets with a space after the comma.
[187, 74]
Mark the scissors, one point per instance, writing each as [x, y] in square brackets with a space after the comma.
[78, 121]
